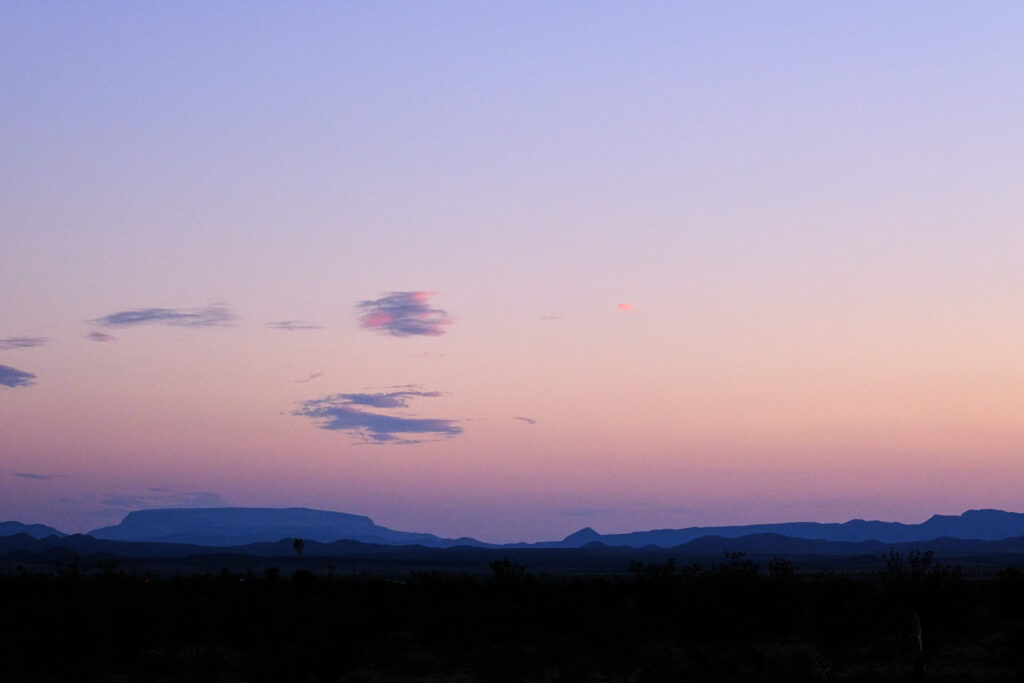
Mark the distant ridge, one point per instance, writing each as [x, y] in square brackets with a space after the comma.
[33, 530]
[227, 526]
[991, 525]
[240, 526]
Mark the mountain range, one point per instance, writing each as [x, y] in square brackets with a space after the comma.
[973, 524]
[225, 527]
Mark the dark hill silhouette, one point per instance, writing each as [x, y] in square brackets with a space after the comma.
[973, 524]
[239, 526]
[33, 530]
[45, 554]
[229, 527]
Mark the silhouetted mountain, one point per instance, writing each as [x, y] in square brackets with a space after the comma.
[584, 536]
[33, 530]
[973, 524]
[239, 526]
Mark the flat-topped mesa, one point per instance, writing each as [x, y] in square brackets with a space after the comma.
[238, 526]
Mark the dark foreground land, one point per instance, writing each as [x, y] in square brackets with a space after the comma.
[730, 621]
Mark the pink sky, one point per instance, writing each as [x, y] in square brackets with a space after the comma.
[509, 271]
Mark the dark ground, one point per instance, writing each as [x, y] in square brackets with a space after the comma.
[730, 621]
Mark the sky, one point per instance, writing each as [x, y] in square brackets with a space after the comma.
[509, 269]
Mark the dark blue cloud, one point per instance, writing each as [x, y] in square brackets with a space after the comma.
[527, 420]
[8, 343]
[211, 316]
[394, 399]
[344, 412]
[12, 377]
[404, 314]
[293, 325]
[97, 336]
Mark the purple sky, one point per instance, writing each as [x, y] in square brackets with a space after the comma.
[510, 269]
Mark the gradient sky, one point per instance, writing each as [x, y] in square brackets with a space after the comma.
[511, 269]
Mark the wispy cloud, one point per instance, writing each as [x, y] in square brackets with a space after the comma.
[311, 377]
[36, 477]
[345, 412]
[527, 420]
[629, 308]
[98, 336]
[293, 325]
[393, 399]
[8, 343]
[160, 497]
[404, 314]
[588, 512]
[12, 377]
[211, 316]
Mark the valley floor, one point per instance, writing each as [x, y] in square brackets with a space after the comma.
[726, 622]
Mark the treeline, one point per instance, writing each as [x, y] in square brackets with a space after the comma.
[727, 621]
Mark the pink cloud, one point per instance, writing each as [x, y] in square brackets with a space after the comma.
[404, 314]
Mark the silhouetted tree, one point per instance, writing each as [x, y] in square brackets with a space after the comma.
[299, 546]
[505, 570]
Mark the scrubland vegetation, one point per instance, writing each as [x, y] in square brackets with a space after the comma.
[731, 621]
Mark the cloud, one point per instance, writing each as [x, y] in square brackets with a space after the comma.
[394, 399]
[404, 314]
[311, 377]
[8, 343]
[12, 377]
[527, 420]
[124, 501]
[293, 325]
[344, 412]
[628, 308]
[160, 497]
[211, 316]
[36, 477]
[100, 336]
[588, 512]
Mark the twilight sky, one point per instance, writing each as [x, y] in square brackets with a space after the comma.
[511, 269]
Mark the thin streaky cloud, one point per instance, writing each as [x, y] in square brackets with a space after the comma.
[12, 377]
[589, 512]
[404, 314]
[394, 399]
[311, 377]
[294, 325]
[345, 412]
[211, 316]
[8, 343]
[98, 336]
[162, 497]
[36, 477]
[629, 308]
[527, 420]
